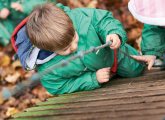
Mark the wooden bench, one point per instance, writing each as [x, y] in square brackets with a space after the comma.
[141, 98]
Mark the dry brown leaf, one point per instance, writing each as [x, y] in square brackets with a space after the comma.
[29, 74]
[86, 2]
[75, 3]
[11, 101]
[16, 64]
[4, 60]
[134, 34]
[92, 4]
[6, 71]
[13, 78]
[34, 101]
[1, 98]
[11, 111]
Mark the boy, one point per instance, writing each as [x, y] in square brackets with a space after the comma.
[59, 33]
[11, 13]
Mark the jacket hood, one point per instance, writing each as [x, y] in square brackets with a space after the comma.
[28, 54]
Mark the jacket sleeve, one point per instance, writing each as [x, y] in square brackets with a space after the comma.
[59, 85]
[28, 5]
[105, 24]
[153, 40]
[1, 6]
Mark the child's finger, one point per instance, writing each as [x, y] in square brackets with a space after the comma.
[114, 43]
[114, 47]
[150, 64]
[117, 45]
[108, 38]
[106, 69]
[140, 58]
[16, 8]
[107, 77]
[105, 80]
[13, 5]
[106, 73]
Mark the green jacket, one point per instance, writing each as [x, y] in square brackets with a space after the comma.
[92, 25]
[27, 6]
[15, 17]
[153, 40]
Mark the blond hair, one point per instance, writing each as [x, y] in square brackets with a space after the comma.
[50, 28]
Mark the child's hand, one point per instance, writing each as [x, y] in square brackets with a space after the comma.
[103, 75]
[149, 59]
[4, 13]
[114, 38]
[17, 6]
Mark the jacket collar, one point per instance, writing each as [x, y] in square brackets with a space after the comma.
[14, 34]
[29, 55]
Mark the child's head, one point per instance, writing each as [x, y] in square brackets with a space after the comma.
[51, 29]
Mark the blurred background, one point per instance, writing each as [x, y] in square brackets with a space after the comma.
[11, 72]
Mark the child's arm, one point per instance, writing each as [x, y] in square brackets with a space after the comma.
[153, 40]
[1, 6]
[59, 85]
[149, 59]
[105, 24]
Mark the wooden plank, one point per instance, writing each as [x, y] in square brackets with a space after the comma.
[101, 117]
[105, 97]
[131, 89]
[140, 98]
[126, 83]
[115, 107]
[152, 77]
[114, 90]
[129, 101]
[95, 114]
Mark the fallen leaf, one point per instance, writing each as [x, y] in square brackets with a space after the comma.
[34, 101]
[13, 78]
[11, 111]
[16, 64]
[92, 4]
[29, 74]
[4, 60]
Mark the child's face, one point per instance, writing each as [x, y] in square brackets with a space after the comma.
[71, 48]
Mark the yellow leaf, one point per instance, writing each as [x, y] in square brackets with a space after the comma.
[11, 111]
[4, 60]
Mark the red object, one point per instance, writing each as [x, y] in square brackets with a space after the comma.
[15, 33]
[114, 67]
